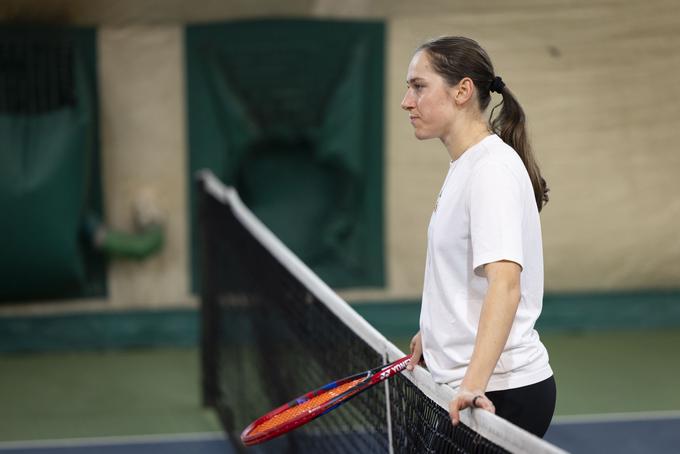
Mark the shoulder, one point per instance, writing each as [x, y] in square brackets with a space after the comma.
[498, 160]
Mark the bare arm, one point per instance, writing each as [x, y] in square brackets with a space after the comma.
[498, 313]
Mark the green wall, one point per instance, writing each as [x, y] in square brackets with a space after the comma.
[49, 164]
[395, 319]
[290, 113]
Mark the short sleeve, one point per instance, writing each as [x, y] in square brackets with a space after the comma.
[496, 213]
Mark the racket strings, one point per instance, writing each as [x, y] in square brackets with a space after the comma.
[297, 410]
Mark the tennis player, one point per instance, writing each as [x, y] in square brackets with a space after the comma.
[483, 286]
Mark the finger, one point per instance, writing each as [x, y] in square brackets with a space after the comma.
[485, 403]
[415, 340]
[454, 410]
[415, 357]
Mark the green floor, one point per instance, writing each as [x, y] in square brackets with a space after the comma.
[44, 396]
[628, 371]
[613, 371]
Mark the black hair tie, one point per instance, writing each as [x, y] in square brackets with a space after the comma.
[497, 85]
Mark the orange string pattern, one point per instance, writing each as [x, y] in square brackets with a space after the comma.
[293, 412]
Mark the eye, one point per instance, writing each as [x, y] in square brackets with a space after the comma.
[415, 86]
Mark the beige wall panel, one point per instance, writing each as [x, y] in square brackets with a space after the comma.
[598, 85]
[414, 170]
[137, 12]
[143, 152]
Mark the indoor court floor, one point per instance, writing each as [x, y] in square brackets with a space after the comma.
[617, 392]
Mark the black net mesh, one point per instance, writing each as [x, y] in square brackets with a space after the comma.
[267, 339]
[37, 71]
[422, 426]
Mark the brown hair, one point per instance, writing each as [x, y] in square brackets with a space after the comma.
[455, 57]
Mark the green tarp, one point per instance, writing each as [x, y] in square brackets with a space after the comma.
[48, 164]
[290, 113]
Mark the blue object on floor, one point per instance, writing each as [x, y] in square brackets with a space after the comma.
[641, 436]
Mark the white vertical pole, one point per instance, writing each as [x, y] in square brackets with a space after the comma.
[389, 413]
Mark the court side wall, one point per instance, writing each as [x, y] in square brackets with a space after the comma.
[597, 80]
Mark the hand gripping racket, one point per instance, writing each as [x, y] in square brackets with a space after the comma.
[316, 403]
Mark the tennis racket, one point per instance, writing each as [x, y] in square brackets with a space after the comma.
[316, 403]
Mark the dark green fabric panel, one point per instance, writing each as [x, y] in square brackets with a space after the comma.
[49, 171]
[611, 310]
[396, 319]
[648, 309]
[99, 330]
[290, 113]
[41, 187]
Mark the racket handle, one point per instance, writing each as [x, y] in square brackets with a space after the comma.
[392, 369]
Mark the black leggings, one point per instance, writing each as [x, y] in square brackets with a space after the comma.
[529, 407]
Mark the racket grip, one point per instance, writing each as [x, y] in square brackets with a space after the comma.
[393, 368]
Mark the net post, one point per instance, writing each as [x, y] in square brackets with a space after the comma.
[388, 412]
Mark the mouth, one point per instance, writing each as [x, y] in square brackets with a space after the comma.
[412, 118]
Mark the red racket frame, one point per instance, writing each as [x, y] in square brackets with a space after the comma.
[371, 377]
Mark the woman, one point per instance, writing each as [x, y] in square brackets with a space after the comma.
[483, 286]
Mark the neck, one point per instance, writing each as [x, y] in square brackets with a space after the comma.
[465, 136]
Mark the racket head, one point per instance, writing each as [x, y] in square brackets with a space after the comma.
[304, 408]
[316, 403]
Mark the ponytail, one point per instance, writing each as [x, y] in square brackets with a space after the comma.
[510, 127]
[455, 57]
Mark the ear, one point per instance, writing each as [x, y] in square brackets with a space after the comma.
[464, 91]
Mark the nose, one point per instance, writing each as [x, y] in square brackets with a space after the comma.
[407, 102]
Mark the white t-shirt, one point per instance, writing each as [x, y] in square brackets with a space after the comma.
[486, 212]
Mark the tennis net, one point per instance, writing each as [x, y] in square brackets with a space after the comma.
[272, 330]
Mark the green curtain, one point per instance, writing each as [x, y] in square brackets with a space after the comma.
[48, 162]
[290, 113]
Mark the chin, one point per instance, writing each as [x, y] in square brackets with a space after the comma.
[422, 135]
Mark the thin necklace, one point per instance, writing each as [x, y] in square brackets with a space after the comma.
[441, 191]
[452, 164]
